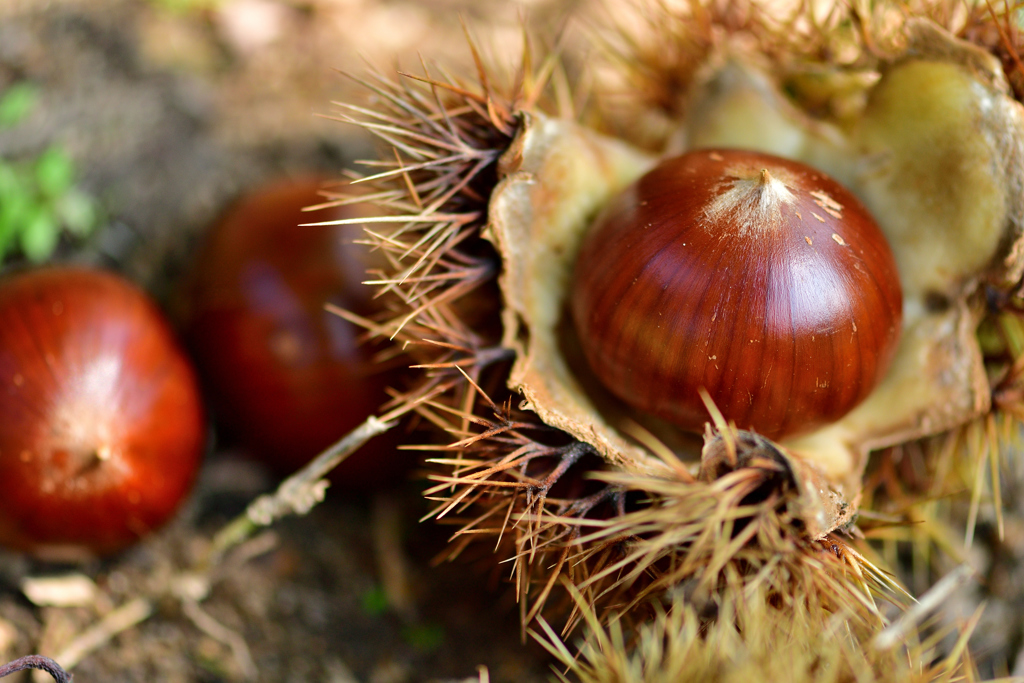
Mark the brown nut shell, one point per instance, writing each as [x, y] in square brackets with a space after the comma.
[286, 377]
[103, 427]
[757, 278]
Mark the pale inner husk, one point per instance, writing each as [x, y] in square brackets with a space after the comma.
[936, 155]
[557, 176]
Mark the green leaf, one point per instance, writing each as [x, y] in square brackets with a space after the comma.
[77, 211]
[11, 182]
[55, 172]
[16, 103]
[375, 601]
[39, 235]
[16, 208]
[424, 637]
[7, 232]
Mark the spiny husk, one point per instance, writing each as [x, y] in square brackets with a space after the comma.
[623, 538]
[503, 465]
[823, 54]
[749, 638]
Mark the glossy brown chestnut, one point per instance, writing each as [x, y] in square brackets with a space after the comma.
[757, 278]
[102, 427]
[286, 378]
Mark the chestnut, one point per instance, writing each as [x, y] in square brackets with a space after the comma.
[756, 278]
[103, 427]
[285, 377]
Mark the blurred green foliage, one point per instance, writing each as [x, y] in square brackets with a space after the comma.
[186, 6]
[16, 104]
[38, 197]
[375, 601]
[424, 637]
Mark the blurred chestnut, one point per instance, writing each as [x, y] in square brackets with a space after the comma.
[760, 279]
[287, 378]
[103, 426]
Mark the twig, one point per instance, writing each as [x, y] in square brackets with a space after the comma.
[213, 628]
[37, 662]
[121, 619]
[297, 494]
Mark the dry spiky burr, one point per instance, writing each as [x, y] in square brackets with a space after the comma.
[916, 112]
